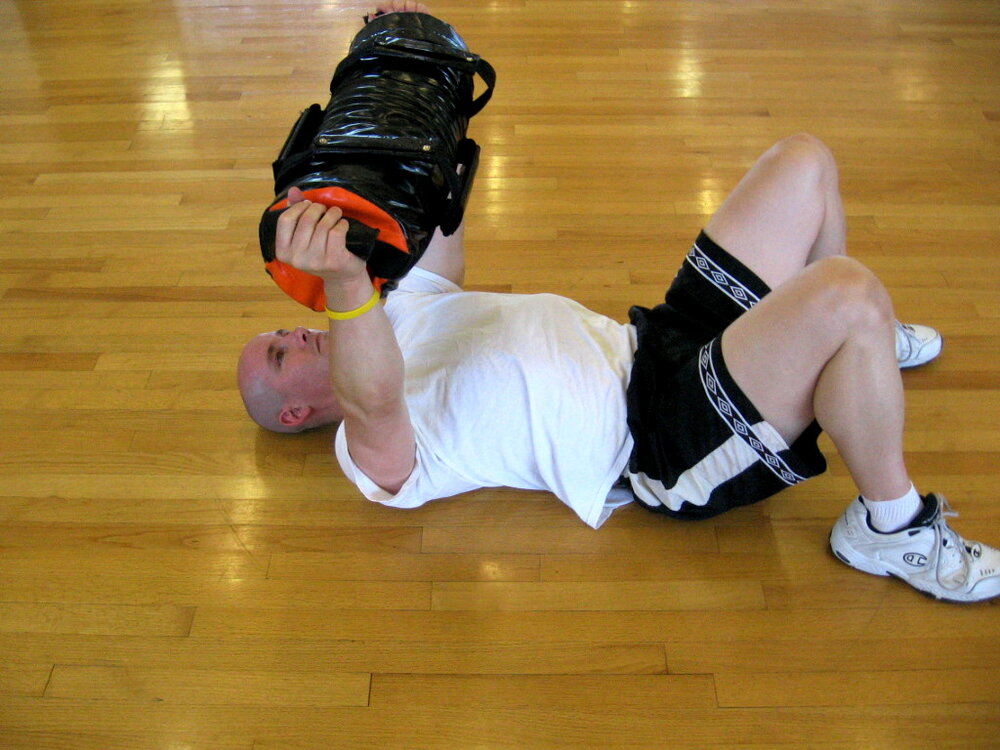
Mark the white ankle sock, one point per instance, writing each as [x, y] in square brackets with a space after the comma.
[893, 515]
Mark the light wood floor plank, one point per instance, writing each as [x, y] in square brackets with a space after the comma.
[409, 727]
[555, 692]
[198, 687]
[895, 687]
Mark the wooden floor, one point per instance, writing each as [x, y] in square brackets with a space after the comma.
[174, 578]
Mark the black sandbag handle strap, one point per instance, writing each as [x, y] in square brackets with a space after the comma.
[489, 76]
[430, 54]
[461, 185]
[469, 62]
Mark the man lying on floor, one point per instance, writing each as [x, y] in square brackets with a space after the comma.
[714, 399]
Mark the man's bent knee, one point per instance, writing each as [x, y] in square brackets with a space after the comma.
[851, 294]
[807, 155]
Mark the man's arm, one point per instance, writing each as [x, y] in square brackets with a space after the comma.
[366, 365]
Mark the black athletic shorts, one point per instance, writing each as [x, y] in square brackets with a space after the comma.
[701, 447]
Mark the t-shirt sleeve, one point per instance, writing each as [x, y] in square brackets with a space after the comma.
[402, 499]
[429, 480]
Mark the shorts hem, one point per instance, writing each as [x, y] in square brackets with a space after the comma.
[696, 434]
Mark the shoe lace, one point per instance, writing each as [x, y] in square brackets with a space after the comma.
[954, 556]
[905, 342]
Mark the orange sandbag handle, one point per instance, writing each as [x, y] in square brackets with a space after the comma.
[307, 288]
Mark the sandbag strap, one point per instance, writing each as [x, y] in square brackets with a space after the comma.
[428, 53]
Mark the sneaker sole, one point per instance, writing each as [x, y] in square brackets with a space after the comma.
[867, 566]
[841, 551]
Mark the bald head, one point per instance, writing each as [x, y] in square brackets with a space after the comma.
[283, 377]
[262, 402]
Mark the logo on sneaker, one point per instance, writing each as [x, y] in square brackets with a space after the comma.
[915, 559]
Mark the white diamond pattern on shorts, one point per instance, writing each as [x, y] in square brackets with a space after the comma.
[736, 422]
[721, 280]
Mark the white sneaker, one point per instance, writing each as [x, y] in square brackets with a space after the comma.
[916, 345]
[928, 554]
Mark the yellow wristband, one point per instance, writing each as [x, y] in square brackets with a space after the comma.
[356, 312]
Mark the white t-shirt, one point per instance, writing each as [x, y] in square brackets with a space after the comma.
[508, 390]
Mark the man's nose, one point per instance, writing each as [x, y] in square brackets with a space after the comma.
[301, 336]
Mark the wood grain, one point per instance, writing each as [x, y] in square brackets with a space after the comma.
[172, 577]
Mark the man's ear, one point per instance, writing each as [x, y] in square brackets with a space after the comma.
[294, 416]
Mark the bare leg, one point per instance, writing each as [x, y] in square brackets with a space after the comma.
[822, 344]
[445, 256]
[785, 213]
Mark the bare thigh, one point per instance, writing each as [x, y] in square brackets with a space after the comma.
[777, 350]
[785, 213]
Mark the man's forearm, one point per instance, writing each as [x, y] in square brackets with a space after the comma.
[366, 365]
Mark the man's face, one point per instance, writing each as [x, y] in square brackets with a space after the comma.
[293, 363]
